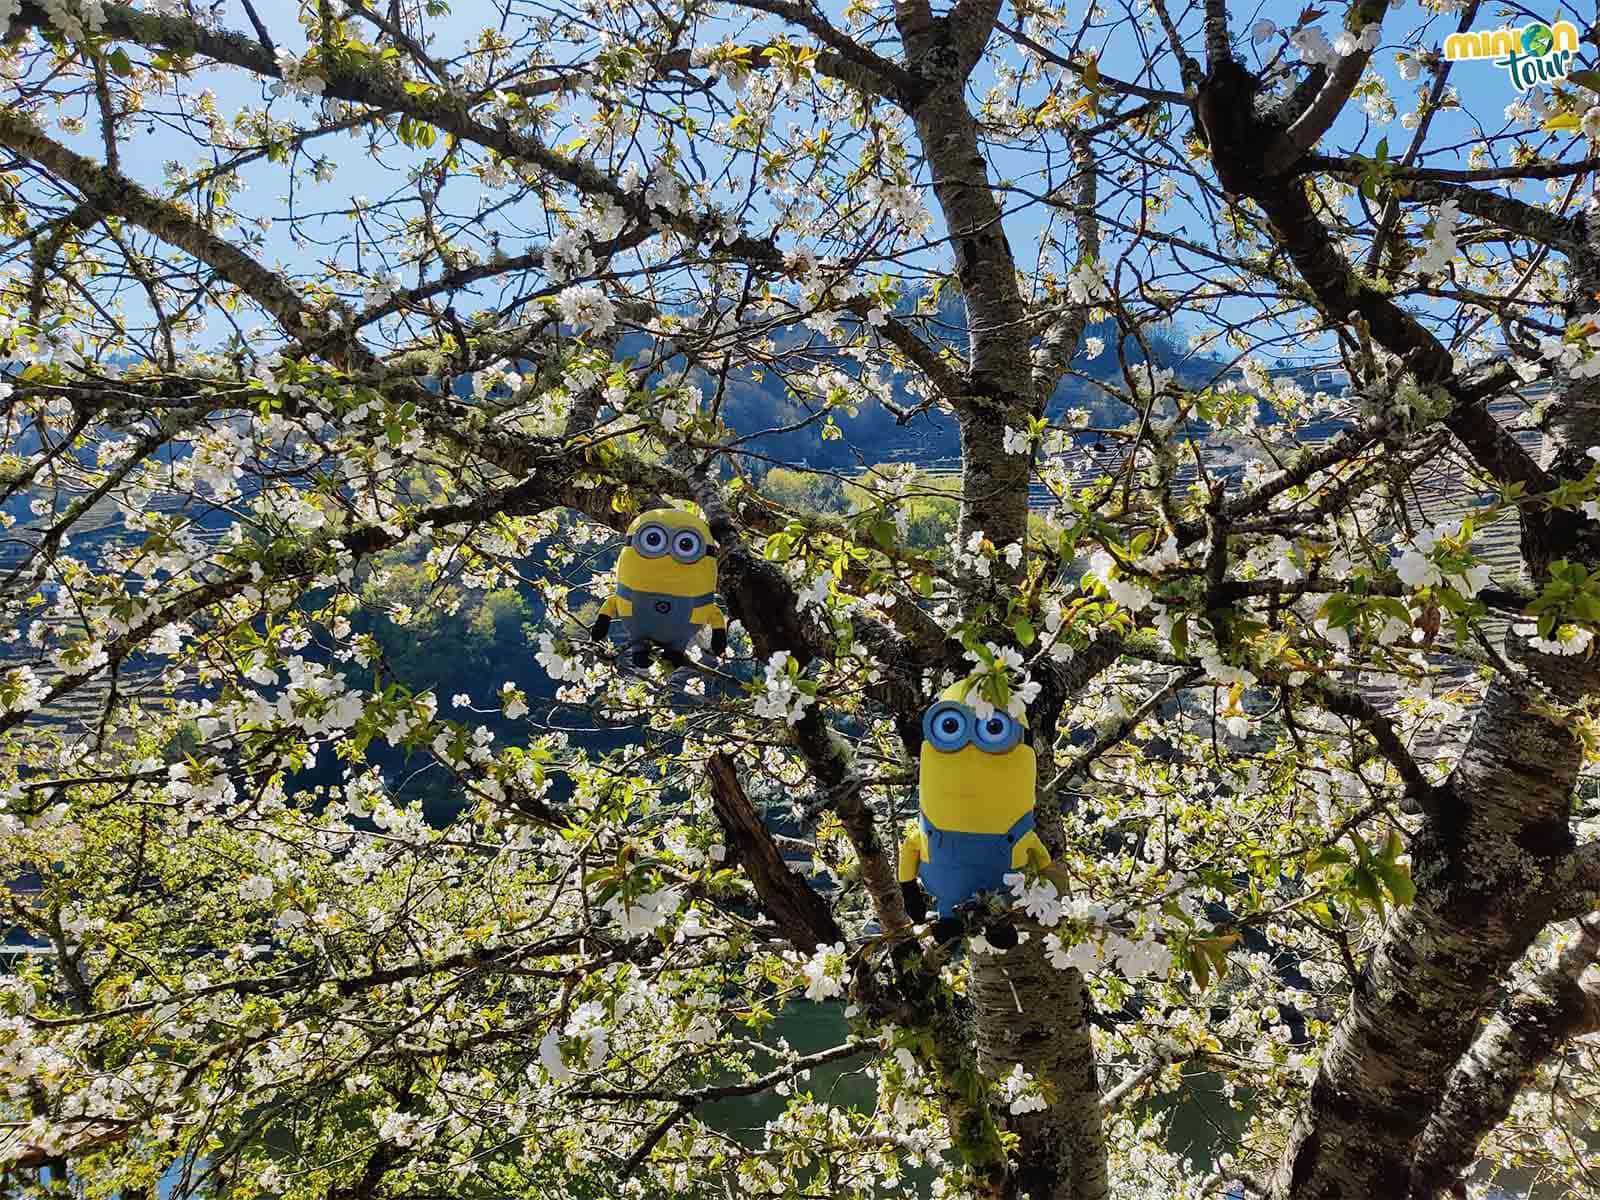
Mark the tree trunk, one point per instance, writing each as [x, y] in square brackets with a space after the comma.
[1482, 864]
[994, 487]
[1486, 861]
[1034, 1015]
[1552, 1008]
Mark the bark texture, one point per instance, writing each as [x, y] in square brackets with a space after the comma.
[1496, 838]
[1036, 1016]
[798, 910]
[1557, 1005]
[1482, 866]
[994, 492]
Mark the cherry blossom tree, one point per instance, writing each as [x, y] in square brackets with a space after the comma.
[305, 301]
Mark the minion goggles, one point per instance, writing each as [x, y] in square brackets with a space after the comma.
[949, 726]
[654, 541]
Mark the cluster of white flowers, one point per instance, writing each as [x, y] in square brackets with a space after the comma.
[824, 972]
[1410, 66]
[1150, 380]
[216, 462]
[1578, 355]
[1129, 593]
[567, 255]
[1087, 283]
[81, 658]
[678, 404]
[493, 173]
[1441, 248]
[781, 695]
[513, 703]
[1135, 958]
[1531, 107]
[665, 192]
[1565, 640]
[586, 1025]
[587, 309]
[1416, 567]
[1093, 347]
[1020, 1092]
[1237, 722]
[20, 691]
[1314, 46]
[257, 889]
[297, 508]
[75, 18]
[724, 65]
[1017, 441]
[644, 913]
[815, 593]
[317, 699]
[1038, 898]
[380, 289]
[556, 664]
[296, 77]
[1006, 661]
[902, 202]
[403, 1129]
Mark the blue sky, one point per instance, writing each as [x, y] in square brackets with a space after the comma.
[1484, 90]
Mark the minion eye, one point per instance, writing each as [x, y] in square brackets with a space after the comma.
[946, 727]
[687, 546]
[651, 541]
[997, 732]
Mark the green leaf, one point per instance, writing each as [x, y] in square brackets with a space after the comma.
[1393, 848]
[1023, 628]
[119, 61]
[1397, 880]
[1588, 79]
[1326, 857]
[1364, 882]
[1180, 636]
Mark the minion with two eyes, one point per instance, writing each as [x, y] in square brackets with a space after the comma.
[975, 819]
[666, 587]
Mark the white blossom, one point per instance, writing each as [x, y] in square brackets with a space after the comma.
[587, 309]
[824, 972]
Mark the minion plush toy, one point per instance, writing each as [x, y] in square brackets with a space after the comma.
[666, 585]
[975, 820]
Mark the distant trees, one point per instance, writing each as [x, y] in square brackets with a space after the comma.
[1298, 746]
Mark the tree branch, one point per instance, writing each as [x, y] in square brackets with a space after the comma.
[1563, 233]
[800, 913]
[113, 192]
[1548, 1011]
[1306, 129]
[1429, 797]
[1576, 888]
[894, 80]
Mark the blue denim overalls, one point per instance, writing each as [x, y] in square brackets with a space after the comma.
[960, 865]
[663, 620]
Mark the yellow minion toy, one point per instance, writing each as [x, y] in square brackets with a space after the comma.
[666, 587]
[975, 820]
